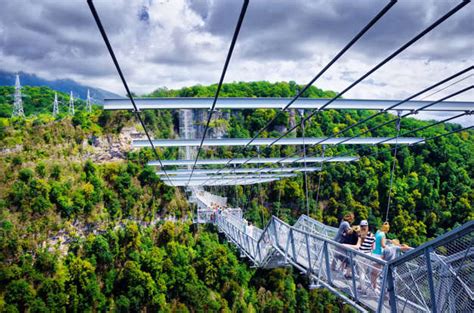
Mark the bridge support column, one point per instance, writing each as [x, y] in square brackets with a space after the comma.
[391, 290]
[354, 285]
[328, 265]
[430, 280]
[308, 252]
[382, 289]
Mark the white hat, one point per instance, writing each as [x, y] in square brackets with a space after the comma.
[364, 223]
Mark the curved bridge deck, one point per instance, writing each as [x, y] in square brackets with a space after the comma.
[435, 277]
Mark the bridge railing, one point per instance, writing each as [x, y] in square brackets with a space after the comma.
[343, 269]
[435, 277]
[438, 275]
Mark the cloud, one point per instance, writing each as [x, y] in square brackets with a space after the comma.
[178, 43]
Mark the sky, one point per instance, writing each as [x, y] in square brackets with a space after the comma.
[178, 43]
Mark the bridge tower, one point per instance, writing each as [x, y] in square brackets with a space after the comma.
[55, 105]
[88, 102]
[71, 104]
[18, 102]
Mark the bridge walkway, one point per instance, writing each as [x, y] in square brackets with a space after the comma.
[435, 277]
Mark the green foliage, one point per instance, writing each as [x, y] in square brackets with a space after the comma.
[113, 263]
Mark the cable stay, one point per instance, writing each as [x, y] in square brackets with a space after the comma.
[122, 77]
[320, 177]
[421, 280]
[392, 171]
[304, 163]
[221, 80]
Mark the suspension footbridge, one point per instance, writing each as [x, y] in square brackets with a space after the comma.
[435, 277]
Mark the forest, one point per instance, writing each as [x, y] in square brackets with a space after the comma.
[84, 236]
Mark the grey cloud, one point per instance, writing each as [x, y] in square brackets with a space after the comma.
[61, 38]
[289, 29]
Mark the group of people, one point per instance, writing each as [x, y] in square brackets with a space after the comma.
[360, 238]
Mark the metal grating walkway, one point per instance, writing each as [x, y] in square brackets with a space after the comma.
[435, 277]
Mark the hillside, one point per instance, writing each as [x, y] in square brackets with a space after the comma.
[81, 233]
[62, 85]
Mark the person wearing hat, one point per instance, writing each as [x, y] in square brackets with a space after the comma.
[365, 244]
[366, 238]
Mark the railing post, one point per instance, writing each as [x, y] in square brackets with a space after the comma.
[308, 252]
[382, 289]
[429, 272]
[391, 290]
[293, 245]
[288, 239]
[248, 243]
[321, 259]
[354, 285]
[275, 232]
[328, 265]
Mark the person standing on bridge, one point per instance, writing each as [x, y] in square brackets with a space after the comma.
[365, 244]
[380, 245]
[343, 233]
[380, 239]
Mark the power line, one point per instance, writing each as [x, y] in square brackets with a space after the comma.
[391, 108]
[337, 57]
[221, 80]
[379, 65]
[321, 72]
[442, 89]
[436, 136]
[124, 82]
[392, 172]
[398, 118]
[413, 112]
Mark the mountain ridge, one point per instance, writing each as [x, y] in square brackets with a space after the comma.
[63, 85]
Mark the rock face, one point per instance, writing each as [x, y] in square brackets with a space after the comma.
[110, 148]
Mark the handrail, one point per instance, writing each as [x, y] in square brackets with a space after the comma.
[419, 280]
[449, 236]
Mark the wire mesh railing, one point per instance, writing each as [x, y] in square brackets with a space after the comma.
[435, 277]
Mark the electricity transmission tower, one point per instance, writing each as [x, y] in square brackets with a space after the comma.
[88, 102]
[55, 105]
[71, 104]
[18, 102]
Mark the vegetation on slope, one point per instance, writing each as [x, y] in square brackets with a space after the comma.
[121, 256]
[432, 188]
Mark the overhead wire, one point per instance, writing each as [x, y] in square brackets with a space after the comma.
[334, 60]
[304, 161]
[392, 108]
[379, 65]
[406, 115]
[221, 80]
[450, 85]
[375, 68]
[359, 35]
[124, 82]
[412, 112]
[392, 171]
